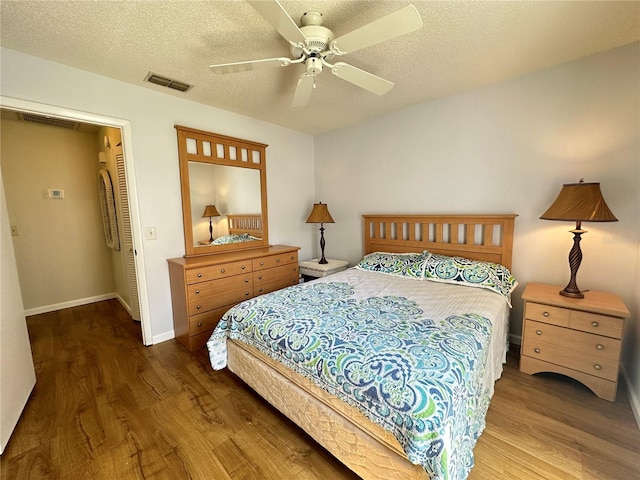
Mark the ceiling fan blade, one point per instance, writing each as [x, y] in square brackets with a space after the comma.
[303, 90]
[272, 12]
[250, 65]
[400, 22]
[362, 79]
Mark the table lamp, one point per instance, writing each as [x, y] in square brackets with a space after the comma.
[579, 202]
[210, 211]
[320, 214]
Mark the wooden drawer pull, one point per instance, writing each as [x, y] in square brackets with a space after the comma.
[600, 346]
[197, 292]
[198, 307]
[537, 350]
[545, 314]
[246, 280]
[243, 267]
[260, 277]
[199, 324]
[260, 290]
[597, 367]
[538, 332]
[277, 260]
[594, 324]
[246, 294]
[222, 270]
[199, 275]
[261, 263]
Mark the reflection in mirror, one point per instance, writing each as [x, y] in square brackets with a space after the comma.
[233, 190]
[230, 174]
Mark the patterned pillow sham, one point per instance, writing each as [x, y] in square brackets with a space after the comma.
[236, 237]
[409, 265]
[473, 273]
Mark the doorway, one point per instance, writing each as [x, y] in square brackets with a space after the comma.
[131, 245]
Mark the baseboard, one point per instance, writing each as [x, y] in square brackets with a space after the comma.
[634, 401]
[69, 304]
[163, 337]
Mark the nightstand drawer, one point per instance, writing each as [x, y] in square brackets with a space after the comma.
[606, 368]
[595, 347]
[598, 324]
[547, 314]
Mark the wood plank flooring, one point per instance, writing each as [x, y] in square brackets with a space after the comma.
[106, 407]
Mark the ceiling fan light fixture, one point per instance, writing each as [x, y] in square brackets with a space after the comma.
[313, 66]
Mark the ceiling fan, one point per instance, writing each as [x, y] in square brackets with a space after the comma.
[314, 45]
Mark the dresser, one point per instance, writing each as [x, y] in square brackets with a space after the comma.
[577, 337]
[203, 288]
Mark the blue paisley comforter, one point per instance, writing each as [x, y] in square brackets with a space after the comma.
[418, 377]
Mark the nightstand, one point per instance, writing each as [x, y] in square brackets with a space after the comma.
[311, 269]
[577, 337]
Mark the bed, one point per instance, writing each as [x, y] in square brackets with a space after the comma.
[370, 431]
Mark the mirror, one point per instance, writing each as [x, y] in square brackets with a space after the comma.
[230, 175]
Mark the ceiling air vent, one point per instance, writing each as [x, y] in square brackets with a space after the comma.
[51, 121]
[167, 82]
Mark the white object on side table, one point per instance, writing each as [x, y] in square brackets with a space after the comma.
[311, 269]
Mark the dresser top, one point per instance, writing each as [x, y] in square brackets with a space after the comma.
[216, 258]
[597, 302]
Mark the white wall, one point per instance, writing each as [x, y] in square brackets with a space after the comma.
[155, 155]
[507, 148]
[17, 374]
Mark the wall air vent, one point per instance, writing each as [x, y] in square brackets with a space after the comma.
[51, 121]
[167, 82]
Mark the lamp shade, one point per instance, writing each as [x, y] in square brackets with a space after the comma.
[210, 211]
[320, 214]
[580, 202]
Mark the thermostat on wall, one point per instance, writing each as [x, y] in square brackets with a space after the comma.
[56, 193]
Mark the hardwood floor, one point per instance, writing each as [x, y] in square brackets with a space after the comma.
[106, 407]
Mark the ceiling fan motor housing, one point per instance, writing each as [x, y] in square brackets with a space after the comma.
[318, 37]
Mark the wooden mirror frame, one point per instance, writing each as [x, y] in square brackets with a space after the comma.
[248, 154]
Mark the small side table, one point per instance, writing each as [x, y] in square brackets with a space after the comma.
[311, 269]
[577, 337]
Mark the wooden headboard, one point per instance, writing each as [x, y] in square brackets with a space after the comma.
[251, 224]
[478, 237]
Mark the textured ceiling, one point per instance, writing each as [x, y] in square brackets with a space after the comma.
[463, 45]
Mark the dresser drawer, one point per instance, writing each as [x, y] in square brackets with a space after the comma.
[262, 276]
[594, 347]
[274, 285]
[275, 260]
[209, 302]
[212, 272]
[206, 322]
[215, 287]
[598, 324]
[547, 314]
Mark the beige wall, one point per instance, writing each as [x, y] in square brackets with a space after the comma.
[60, 250]
[118, 258]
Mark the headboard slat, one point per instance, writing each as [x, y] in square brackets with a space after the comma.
[397, 233]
